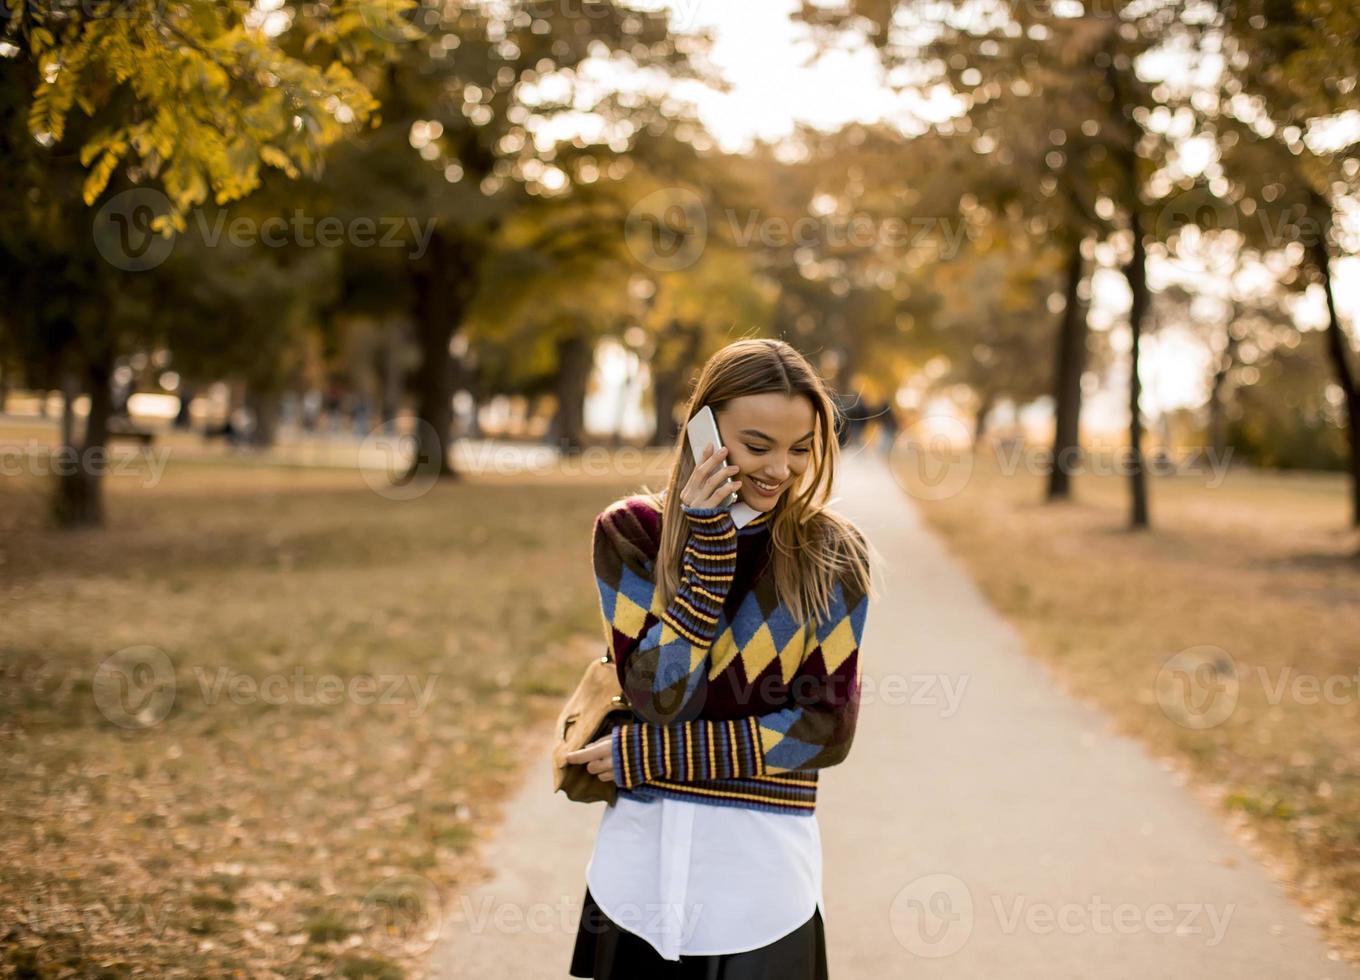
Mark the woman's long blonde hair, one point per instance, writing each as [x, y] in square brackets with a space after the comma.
[813, 546]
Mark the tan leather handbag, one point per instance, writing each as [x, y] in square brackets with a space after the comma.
[594, 709]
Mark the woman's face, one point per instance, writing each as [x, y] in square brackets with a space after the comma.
[769, 436]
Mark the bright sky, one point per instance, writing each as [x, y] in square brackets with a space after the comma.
[766, 59]
[764, 55]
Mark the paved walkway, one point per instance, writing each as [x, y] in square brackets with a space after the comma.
[985, 825]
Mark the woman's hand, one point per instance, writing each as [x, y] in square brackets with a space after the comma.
[708, 486]
[598, 758]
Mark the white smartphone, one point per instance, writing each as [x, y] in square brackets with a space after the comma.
[702, 431]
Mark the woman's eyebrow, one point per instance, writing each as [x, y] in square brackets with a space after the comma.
[761, 435]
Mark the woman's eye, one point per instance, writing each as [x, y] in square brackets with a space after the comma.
[753, 449]
[804, 450]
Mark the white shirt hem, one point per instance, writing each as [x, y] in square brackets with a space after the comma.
[816, 906]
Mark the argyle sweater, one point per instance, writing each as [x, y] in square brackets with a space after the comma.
[735, 703]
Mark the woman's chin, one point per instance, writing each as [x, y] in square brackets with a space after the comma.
[758, 500]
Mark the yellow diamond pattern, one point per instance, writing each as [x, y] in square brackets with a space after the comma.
[759, 652]
[793, 655]
[628, 616]
[668, 634]
[721, 653]
[769, 738]
[696, 657]
[838, 645]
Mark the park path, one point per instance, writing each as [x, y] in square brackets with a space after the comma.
[984, 825]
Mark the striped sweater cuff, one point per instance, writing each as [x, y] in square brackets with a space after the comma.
[708, 566]
[687, 751]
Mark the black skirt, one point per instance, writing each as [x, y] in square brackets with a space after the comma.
[605, 951]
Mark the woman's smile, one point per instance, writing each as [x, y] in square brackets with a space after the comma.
[765, 488]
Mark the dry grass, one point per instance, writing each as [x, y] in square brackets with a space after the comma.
[1264, 568]
[238, 837]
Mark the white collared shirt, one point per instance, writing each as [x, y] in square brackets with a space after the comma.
[702, 880]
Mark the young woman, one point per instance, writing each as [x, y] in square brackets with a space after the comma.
[738, 652]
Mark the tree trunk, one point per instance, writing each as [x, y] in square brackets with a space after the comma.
[980, 425]
[120, 404]
[264, 410]
[1338, 349]
[1136, 274]
[1123, 146]
[434, 401]
[575, 357]
[444, 284]
[665, 392]
[79, 497]
[388, 369]
[1071, 362]
[669, 372]
[1218, 415]
[186, 398]
[70, 390]
[625, 393]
